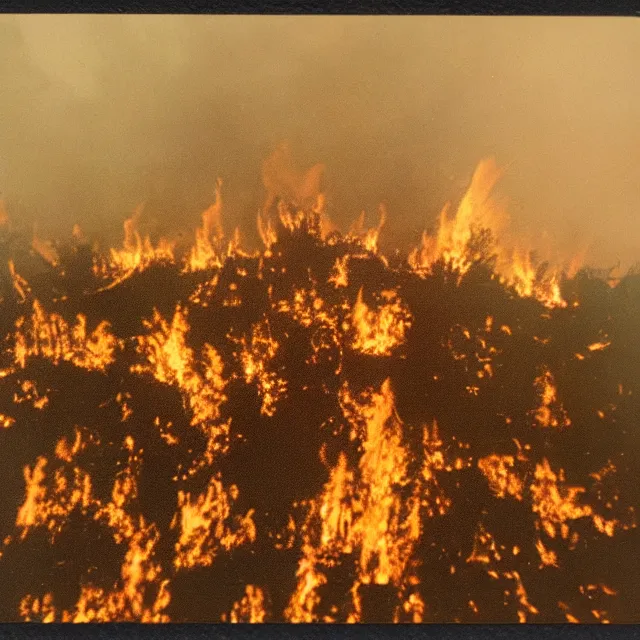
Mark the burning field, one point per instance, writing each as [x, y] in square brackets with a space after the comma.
[315, 431]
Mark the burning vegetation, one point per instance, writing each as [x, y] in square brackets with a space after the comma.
[314, 432]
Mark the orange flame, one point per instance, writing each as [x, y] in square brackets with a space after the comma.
[479, 211]
[136, 253]
[205, 526]
[380, 332]
[48, 335]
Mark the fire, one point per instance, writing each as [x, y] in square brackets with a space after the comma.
[530, 280]
[209, 251]
[46, 250]
[548, 558]
[598, 346]
[383, 465]
[502, 479]
[4, 216]
[40, 508]
[365, 518]
[48, 335]
[485, 550]
[379, 332]
[205, 526]
[203, 254]
[20, 285]
[550, 413]
[368, 238]
[283, 180]
[136, 254]
[434, 500]
[48, 504]
[255, 358]
[29, 393]
[340, 274]
[251, 608]
[365, 430]
[477, 210]
[124, 602]
[6, 421]
[66, 450]
[556, 505]
[170, 361]
[480, 220]
[305, 598]
[296, 220]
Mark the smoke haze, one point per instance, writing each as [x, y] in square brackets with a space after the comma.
[101, 113]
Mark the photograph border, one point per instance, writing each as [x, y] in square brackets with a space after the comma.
[331, 7]
[175, 631]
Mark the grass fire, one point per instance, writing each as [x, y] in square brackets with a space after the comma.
[317, 430]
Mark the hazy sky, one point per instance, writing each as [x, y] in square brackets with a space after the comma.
[100, 113]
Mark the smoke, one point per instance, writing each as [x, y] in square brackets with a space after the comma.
[102, 113]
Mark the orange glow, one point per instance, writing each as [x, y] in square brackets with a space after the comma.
[4, 216]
